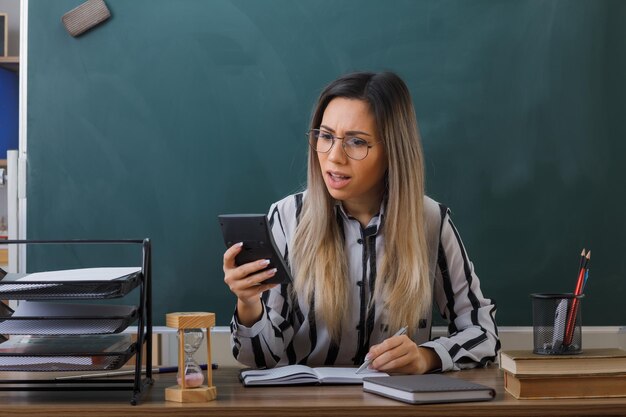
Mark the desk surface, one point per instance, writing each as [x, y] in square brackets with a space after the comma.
[235, 400]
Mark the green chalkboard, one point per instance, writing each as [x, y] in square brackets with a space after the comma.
[172, 112]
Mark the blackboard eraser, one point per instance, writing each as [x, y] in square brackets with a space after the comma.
[85, 17]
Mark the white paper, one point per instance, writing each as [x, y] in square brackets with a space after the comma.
[24, 287]
[84, 274]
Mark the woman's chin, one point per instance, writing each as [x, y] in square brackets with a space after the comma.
[337, 194]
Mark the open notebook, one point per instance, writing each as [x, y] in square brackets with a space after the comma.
[302, 374]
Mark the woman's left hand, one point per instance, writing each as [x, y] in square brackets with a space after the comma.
[401, 354]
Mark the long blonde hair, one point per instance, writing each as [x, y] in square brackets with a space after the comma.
[402, 287]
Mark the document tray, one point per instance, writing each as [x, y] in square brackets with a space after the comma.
[41, 318]
[66, 361]
[12, 288]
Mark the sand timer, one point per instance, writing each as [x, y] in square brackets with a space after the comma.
[190, 376]
[191, 371]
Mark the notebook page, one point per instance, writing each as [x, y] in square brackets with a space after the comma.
[336, 375]
[290, 373]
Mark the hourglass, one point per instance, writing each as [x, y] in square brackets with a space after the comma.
[190, 376]
[191, 372]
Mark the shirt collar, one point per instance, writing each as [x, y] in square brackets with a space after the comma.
[375, 223]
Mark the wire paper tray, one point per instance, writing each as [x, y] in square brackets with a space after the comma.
[94, 362]
[10, 360]
[41, 318]
[14, 287]
[54, 337]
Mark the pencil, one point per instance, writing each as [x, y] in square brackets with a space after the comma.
[581, 273]
[585, 280]
[368, 361]
[571, 317]
[582, 260]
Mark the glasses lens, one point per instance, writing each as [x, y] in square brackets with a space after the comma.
[356, 148]
[320, 141]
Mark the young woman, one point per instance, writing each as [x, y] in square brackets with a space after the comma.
[368, 251]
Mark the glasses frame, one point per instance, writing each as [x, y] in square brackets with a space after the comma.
[310, 133]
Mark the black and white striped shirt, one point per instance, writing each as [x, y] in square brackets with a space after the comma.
[289, 332]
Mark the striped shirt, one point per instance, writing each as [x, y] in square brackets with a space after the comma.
[289, 332]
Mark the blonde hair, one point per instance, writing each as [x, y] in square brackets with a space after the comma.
[402, 287]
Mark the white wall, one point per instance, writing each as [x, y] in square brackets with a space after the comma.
[510, 337]
[12, 9]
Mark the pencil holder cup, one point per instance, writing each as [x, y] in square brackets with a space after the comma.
[557, 324]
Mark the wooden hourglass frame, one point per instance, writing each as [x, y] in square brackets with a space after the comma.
[181, 393]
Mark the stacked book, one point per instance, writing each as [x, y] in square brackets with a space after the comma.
[592, 374]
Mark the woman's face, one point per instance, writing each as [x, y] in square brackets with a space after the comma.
[359, 183]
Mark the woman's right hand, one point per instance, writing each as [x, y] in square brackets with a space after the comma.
[246, 282]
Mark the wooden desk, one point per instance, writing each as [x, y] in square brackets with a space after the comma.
[235, 400]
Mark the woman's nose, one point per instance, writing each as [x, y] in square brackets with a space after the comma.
[336, 153]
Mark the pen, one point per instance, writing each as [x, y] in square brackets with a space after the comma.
[368, 361]
[156, 370]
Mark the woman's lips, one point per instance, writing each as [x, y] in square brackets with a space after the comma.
[337, 180]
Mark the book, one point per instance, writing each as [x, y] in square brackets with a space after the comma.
[590, 361]
[302, 374]
[569, 386]
[429, 388]
[9, 107]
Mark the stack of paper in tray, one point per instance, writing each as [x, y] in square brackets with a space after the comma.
[593, 373]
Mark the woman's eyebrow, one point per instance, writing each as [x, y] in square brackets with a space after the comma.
[349, 132]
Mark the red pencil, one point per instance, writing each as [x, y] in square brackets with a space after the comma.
[581, 272]
[571, 317]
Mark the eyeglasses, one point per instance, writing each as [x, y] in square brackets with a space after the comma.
[355, 148]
